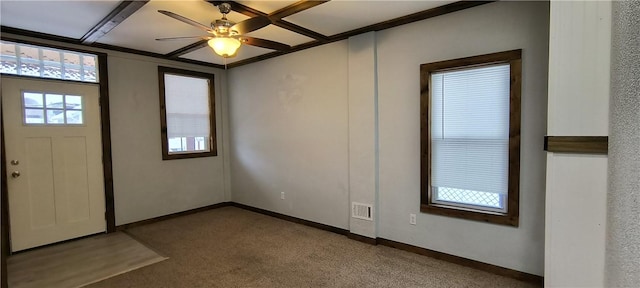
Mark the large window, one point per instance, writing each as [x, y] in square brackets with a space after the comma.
[187, 112]
[470, 125]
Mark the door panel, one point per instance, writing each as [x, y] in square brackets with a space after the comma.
[59, 192]
[76, 178]
[38, 159]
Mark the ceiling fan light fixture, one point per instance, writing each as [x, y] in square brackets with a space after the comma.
[224, 46]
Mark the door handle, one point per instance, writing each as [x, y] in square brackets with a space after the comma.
[15, 174]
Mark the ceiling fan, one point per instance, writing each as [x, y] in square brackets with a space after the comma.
[225, 36]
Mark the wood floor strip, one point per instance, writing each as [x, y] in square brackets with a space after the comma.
[79, 263]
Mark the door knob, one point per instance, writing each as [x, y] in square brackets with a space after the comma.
[15, 174]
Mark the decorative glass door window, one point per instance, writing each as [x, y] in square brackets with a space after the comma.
[52, 109]
[44, 62]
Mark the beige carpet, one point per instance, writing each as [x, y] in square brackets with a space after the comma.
[79, 263]
[232, 247]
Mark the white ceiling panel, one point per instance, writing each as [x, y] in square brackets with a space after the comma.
[275, 33]
[339, 16]
[63, 18]
[140, 30]
[206, 54]
[267, 6]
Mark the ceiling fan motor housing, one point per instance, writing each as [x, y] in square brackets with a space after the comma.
[222, 27]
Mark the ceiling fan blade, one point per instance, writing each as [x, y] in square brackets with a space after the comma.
[264, 43]
[181, 38]
[186, 20]
[251, 24]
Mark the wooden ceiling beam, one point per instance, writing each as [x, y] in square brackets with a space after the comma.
[187, 49]
[276, 16]
[117, 16]
[300, 30]
[295, 8]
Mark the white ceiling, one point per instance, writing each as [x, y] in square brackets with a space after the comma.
[339, 16]
[63, 18]
[73, 19]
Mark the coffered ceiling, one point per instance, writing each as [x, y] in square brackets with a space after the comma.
[134, 26]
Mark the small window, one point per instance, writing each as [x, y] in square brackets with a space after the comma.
[187, 112]
[52, 109]
[44, 62]
[470, 127]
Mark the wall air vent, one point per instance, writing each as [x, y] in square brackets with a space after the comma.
[361, 211]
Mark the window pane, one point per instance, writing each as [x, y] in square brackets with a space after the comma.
[187, 107]
[471, 197]
[33, 100]
[52, 64]
[30, 61]
[9, 63]
[73, 102]
[55, 116]
[74, 117]
[54, 101]
[72, 66]
[34, 116]
[477, 103]
[470, 129]
[89, 67]
[175, 144]
[90, 75]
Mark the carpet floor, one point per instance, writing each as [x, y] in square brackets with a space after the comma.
[233, 247]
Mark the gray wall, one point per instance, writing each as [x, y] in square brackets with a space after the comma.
[489, 28]
[289, 134]
[145, 186]
[290, 131]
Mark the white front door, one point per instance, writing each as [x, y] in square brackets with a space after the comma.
[54, 160]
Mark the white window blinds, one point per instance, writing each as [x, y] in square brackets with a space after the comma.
[187, 106]
[470, 129]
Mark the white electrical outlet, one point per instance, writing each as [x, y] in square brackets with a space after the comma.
[282, 195]
[412, 219]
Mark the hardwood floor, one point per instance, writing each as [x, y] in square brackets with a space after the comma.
[78, 263]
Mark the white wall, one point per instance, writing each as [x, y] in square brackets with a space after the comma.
[579, 57]
[145, 186]
[486, 29]
[289, 133]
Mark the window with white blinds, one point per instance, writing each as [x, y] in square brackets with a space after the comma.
[188, 113]
[470, 136]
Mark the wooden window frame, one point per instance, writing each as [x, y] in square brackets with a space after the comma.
[514, 59]
[213, 151]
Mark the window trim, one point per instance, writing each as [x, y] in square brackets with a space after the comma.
[213, 151]
[511, 217]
